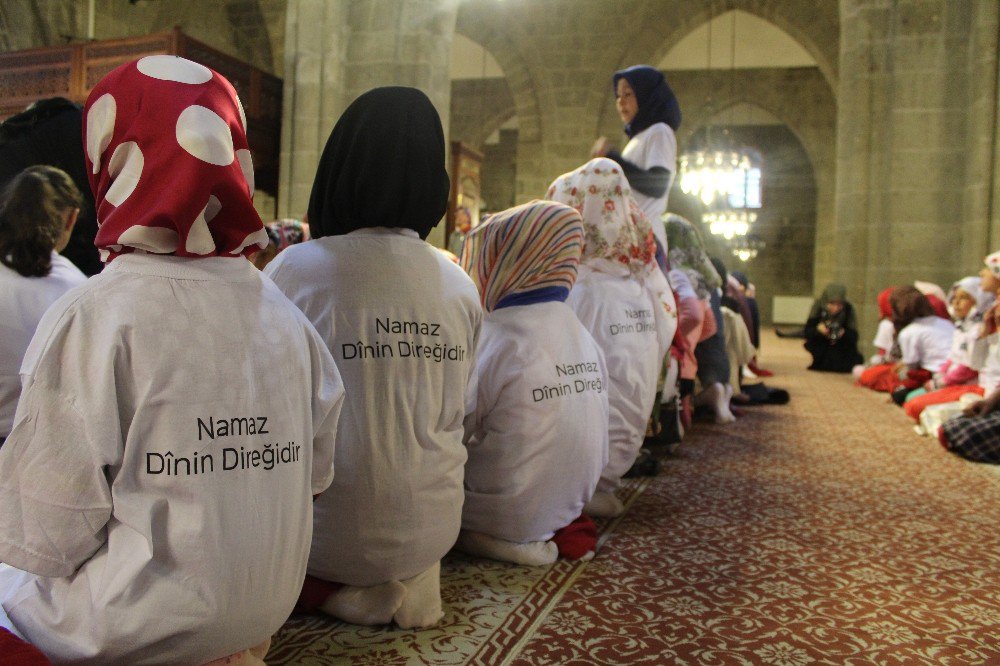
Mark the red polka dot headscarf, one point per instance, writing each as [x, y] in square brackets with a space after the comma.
[168, 160]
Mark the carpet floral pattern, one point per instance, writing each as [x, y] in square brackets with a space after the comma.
[819, 532]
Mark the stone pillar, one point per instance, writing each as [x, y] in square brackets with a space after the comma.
[336, 50]
[904, 134]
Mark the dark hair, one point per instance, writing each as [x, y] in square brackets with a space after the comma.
[908, 304]
[33, 209]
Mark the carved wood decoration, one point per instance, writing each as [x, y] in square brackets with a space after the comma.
[71, 71]
[465, 202]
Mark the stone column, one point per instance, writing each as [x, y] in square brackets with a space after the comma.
[336, 50]
[904, 134]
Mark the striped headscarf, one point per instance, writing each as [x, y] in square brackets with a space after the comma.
[527, 254]
[616, 236]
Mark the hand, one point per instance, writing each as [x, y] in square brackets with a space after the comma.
[976, 409]
[822, 328]
[601, 147]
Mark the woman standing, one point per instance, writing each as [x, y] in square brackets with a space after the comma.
[651, 114]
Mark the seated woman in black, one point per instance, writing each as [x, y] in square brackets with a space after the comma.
[832, 332]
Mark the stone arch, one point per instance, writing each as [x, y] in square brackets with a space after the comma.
[812, 119]
[492, 105]
[653, 40]
[475, 23]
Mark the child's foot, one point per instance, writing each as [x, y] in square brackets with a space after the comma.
[365, 605]
[604, 505]
[532, 553]
[421, 606]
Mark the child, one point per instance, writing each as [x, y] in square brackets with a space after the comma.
[880, 373]
[538, 439]
[38, 209]
[623, 299]
[956, 376]
[402, 321]
[832, 332]
[157, 485]
[924, 339]
[651, 114]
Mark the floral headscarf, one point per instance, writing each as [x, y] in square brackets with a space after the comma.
[617, 239]
[687, 253]
[527, 254]
[168, 161]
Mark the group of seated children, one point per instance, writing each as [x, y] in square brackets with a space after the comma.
[939, 357]
[199, 447]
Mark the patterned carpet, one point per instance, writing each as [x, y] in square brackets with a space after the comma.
[819, 532]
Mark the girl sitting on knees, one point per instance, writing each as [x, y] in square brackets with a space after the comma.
[957, 376]
[402, 321]
[38, 209]
[157, 485]
[880, 372]
[622, 297]
[538, 439]
[924, 339]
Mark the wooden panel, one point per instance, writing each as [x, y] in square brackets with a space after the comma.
[72, 71]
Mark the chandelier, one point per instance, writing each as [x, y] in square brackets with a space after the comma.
[729, 223]
[714, 175]
[746, 248]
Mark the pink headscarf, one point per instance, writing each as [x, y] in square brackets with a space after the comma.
[169, 164]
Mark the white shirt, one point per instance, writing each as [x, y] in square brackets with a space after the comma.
[23, 301]
[655, 146]
[926, 342]
[630, 325]
[885, 335]
[402, 322]
[964, 341]
[177, 417]
[538, 439]
[986, 359]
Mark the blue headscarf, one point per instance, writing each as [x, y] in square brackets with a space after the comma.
[657, 102]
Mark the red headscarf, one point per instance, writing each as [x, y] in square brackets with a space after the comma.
[884, 306]
[168, 161]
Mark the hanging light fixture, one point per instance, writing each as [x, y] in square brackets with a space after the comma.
[747, 247]
[729, 223]
[717, 175]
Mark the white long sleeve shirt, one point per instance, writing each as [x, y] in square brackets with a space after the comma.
[538, 439]
[402, 322]
[178, 415]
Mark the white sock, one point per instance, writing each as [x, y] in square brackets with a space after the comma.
[532, 553]
[421, 606]
[365, 605]
[604, 505]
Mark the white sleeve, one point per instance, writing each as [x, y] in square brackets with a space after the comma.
[472, 383]
[661, 148]
[909, 345]
[327, 401]
[884, 335]
[54, 491]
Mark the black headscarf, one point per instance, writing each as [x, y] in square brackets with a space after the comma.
[383, 166]
[51, 132]
[657, 102]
